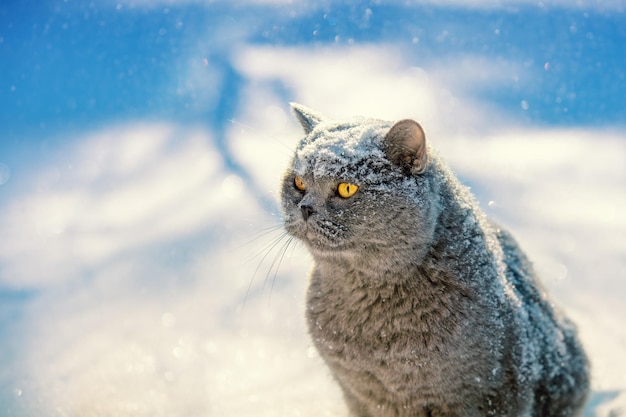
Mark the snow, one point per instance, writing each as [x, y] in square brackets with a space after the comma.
[353, 144]
[140, 245]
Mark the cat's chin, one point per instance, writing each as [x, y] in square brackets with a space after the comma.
[321, 241]
[328, 253]
[320, 245]
[324, 248]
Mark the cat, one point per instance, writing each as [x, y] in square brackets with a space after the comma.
[419, 304]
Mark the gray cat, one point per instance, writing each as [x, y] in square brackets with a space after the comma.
[418, 303]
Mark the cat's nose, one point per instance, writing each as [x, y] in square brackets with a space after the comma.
[307, 210]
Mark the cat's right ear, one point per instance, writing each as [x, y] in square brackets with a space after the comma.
[406, 146]
[307, 117]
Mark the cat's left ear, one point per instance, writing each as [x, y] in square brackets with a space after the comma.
[406, 146]
[307, 117]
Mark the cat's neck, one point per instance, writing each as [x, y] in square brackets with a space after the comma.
[465, 244]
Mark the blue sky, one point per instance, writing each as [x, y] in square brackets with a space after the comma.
[142, 144]
[69, 65]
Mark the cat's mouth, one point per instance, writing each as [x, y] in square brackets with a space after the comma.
[322, 236]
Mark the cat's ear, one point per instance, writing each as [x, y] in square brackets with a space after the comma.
[406, 146]
[307, 117]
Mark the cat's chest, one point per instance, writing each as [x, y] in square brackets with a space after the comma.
[386, 339]
[354, 323]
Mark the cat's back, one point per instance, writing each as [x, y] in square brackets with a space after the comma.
[553, 353]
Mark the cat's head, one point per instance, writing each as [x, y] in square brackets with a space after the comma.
[360, 188]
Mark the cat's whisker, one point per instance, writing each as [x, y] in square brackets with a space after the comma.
[235, 122]
[293, 247]
[287, 147]
[282, 252]
[276, 258]
[259, 235]
[265, 252]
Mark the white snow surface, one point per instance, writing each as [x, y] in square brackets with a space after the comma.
[155, 296]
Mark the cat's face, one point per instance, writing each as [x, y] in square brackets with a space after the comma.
[343, 196]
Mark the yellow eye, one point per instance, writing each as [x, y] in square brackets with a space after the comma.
[297, 181]
[346, 189]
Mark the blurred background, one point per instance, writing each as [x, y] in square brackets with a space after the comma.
[143, 271]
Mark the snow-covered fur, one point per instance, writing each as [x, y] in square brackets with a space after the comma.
[418, 303]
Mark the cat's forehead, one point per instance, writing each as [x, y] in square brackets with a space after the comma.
[333, 146]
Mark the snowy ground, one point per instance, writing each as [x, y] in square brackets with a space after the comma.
[143, 245]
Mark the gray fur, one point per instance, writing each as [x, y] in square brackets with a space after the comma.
[418, 303]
